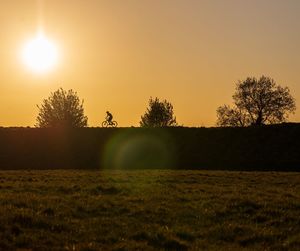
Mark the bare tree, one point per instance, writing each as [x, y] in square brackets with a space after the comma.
[61, 109]
[158, 114]
[257, 102]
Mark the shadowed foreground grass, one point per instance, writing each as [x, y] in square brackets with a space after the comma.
[149, 210]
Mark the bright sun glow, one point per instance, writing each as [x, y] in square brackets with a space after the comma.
[40, 54]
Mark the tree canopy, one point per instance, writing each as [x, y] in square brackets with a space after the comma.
[61, 109]
[158, 114]
[257, 102]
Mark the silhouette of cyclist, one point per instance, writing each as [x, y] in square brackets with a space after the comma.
[109, 117]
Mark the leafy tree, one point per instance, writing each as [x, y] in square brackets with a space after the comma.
[231, 116]
[62, 109]
[257, 102]
[158, 114]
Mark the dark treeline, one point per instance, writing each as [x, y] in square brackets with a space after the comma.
[273, 147]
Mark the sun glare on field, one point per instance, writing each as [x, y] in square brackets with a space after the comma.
[40, 54]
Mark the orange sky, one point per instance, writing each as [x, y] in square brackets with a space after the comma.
[117, 53]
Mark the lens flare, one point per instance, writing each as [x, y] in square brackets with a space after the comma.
[143, 149]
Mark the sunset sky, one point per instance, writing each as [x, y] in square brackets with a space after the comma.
[118, 53]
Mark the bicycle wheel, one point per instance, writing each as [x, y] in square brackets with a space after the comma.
[114, 124]
[104, 124]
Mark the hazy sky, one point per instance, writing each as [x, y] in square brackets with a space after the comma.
[118, 53]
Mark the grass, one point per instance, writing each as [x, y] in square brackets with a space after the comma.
[149, 210]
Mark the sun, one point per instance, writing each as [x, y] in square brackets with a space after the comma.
[40, 54]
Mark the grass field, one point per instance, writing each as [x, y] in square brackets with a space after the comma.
[149, 210]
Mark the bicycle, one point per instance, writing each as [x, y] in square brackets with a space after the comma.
[106, 123]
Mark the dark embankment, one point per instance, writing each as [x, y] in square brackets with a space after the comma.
[274, 147]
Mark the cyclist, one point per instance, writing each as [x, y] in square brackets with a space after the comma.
[109, 117]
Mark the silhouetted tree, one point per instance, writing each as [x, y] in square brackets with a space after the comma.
[62, 109]
[231, 116]
[257, 102]
[158, 114]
